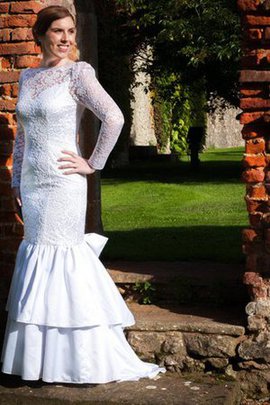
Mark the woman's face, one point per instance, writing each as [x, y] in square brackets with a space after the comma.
[58, 39]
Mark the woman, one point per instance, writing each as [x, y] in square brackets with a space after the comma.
[66, 316]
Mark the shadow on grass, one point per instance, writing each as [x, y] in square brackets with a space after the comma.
[220, 172]
[190, 243]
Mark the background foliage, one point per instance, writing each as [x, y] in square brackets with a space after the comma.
[195, 48]
[194, 39]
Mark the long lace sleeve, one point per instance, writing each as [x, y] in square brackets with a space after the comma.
[18, 151]
[86, 89]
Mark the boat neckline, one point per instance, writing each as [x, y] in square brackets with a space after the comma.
[54, 67]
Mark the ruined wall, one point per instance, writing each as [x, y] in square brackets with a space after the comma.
[142, 131]
[223, 130]
[255, 103]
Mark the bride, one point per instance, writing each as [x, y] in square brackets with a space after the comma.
[65, 315]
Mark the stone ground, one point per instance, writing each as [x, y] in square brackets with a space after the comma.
[168, 389]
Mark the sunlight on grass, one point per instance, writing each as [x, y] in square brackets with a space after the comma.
[164, 211]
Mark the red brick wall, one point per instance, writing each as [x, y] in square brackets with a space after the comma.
[255, 102]
[17, 51]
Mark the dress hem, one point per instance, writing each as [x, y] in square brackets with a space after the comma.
[85, 326]
[151, 375]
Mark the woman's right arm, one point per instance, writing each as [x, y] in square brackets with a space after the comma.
[18, 152]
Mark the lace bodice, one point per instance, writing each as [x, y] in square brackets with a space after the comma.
[79, 80]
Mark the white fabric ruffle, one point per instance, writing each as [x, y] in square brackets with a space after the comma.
[94, 355]
[65, 286]
[66, 318]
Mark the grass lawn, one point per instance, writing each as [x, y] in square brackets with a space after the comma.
[164, 211]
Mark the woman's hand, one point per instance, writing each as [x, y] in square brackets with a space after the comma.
[18, 203]
[17, 196]
[76, 163]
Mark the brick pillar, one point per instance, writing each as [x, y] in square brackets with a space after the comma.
[17, 51]
[255, 103]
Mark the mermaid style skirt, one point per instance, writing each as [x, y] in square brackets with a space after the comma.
[66, 316]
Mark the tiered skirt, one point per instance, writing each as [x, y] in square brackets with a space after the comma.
[66, 318]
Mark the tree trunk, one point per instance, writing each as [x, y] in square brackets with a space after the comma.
[87, 45]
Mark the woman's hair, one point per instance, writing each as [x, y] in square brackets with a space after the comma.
[45, 17]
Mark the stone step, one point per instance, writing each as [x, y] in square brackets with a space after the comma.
[186, 318]
[169, 389]
[180, 282]
[188, 338]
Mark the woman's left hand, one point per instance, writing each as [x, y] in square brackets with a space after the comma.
[76, 163]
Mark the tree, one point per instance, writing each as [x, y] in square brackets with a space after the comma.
[192, 39]
[195, 54]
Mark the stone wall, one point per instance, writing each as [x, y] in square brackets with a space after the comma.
[189, 350]
[255, 103]
[223, 130]
[143, 127]
[203, 348]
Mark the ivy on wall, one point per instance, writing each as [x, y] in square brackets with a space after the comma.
[177, 107]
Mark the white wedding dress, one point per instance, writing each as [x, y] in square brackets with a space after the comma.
[65, 314]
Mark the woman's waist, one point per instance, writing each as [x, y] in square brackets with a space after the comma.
[41, 171]
[49, 154]
[33, 146]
